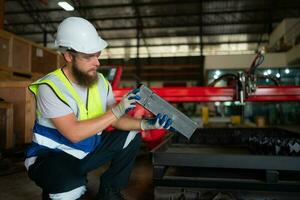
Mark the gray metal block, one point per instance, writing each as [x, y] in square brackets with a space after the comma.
[156, 104]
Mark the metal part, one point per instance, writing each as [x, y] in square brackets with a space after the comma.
[251, 84]
[194, 193]
[223, 158]
[156, 104]
[241, 88]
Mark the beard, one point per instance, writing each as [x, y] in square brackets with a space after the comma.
[83, 78]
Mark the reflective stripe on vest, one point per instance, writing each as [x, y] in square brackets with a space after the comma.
[44, 133]
[48, 138]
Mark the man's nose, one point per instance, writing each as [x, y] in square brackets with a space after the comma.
[96, 61]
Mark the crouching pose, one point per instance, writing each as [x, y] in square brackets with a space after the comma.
[74, 106]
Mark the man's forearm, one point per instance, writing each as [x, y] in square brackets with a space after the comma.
[127, 123]
[76, 130]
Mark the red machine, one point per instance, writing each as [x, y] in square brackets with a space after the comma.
[213, 94]
[245, 90]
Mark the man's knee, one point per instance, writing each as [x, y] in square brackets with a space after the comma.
[53, 180]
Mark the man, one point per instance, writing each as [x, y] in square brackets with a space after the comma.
[75, 105]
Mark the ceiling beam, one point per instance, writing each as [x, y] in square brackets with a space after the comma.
[254, 35]
[170, 14]
[113, 6]
[189, 44]
[183, 44]
[36, 17]
[148, 4]
[178, 35]
[249, 33]
[154, 27]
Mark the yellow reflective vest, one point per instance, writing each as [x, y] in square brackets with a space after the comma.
[45, 135]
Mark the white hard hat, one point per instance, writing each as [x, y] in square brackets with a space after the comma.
[80, 35]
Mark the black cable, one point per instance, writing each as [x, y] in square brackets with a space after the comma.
[272, 78]
[258, 60]
[233, 76]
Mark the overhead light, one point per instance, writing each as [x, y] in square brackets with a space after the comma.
[65, 5]
[269, 71]
[287, 71]
[278, 75]
[218, 72]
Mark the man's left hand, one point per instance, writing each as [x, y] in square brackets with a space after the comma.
[159, 122]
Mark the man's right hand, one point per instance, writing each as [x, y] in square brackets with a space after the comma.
[127, 103]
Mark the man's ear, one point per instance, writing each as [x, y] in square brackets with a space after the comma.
[68, 56]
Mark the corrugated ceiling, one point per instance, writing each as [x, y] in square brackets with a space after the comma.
[165, 27]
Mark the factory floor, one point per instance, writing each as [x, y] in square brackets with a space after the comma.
[15, 184]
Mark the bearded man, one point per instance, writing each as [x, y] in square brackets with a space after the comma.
[74, 106]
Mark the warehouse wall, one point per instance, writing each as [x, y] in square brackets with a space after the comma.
[243, 61]
[293, 55]
[285, 30]
[179, 69]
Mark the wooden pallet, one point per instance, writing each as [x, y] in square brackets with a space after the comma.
[6, 125]
[16, 92]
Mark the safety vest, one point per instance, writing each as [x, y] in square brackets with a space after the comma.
[46, 137]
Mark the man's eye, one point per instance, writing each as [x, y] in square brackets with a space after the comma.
[87, 56]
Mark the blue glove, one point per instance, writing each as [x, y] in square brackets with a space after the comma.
[127, 103]
[159, 122]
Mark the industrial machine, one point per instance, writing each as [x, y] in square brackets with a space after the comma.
[229, 163]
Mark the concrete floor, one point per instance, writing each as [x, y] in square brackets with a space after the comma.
[15, 184]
